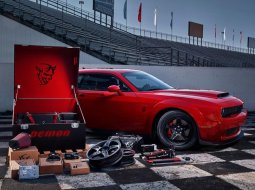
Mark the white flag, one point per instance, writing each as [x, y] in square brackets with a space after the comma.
[224, 34]
[155, 17]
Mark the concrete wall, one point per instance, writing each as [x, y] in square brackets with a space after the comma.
[239, 82]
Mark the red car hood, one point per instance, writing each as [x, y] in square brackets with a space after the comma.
[199, 93]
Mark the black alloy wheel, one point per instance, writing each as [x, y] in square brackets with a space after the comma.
[105, 154]
[176, 128]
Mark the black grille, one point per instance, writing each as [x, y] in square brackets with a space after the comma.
[232, 131]
[226, 112]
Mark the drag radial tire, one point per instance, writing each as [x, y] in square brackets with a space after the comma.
[176, 128]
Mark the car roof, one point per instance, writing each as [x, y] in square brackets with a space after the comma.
[105, 70]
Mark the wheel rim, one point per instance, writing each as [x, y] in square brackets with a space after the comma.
[104, 150]
[179, 131]
[105, 153]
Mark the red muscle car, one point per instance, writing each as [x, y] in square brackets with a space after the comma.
[137, 102]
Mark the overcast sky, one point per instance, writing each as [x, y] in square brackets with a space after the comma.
[237, 15]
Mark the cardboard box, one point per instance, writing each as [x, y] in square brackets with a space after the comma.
[87, 147]
[25, 153]
[15, 164]
[79, 168]
[51, 167]
[45, 154]
[61, 153]
[68, 162]
[83, 153]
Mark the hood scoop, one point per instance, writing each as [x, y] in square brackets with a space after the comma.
[223, 95]
[199, 93]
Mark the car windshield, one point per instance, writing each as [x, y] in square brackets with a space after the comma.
[145, 82]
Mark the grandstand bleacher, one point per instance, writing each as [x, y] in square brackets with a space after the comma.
[74, 27]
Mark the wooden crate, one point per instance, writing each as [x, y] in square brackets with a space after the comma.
[79, 168]
[50, 167]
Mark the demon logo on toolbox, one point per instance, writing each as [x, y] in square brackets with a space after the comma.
[45, 73]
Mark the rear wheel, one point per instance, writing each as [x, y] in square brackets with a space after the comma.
[176, 128]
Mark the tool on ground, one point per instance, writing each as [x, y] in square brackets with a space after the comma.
[71, 156]
[29, 172]
[22, 140]
[53, 157]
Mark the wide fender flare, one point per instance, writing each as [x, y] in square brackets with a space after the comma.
[185, 106]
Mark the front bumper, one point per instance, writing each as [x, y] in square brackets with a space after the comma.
[224, 131]
[223, 143]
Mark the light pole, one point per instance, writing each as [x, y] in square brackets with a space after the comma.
[81, 3]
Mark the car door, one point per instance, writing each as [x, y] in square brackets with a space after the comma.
[104, 110]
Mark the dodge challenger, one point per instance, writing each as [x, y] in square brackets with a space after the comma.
[136, 102]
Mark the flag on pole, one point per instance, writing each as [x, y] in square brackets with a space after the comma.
[224, 34]
[233, 39]
[155, 17]
[140, 13]
[171, 22]
[125, 10]
[215, 32]
[241, 37]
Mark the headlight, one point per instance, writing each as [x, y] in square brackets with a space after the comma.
[226, 112]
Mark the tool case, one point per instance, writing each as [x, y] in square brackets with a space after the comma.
[45, 103]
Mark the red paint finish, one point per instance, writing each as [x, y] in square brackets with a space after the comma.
[137, 111]
[45, 75]
[50, 133]
[45, 83]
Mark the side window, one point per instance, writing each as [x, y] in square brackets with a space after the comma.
[100, 82]
[86, 82]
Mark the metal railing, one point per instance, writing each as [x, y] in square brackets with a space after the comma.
[73, 10]
[173, 55]
[180, 39]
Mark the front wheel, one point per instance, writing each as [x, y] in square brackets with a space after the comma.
[176, 128]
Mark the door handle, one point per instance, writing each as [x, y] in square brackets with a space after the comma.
[81, 95]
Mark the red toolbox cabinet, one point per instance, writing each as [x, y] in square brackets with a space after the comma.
[45, 103]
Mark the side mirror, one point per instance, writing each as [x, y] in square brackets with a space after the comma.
[115, 88]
